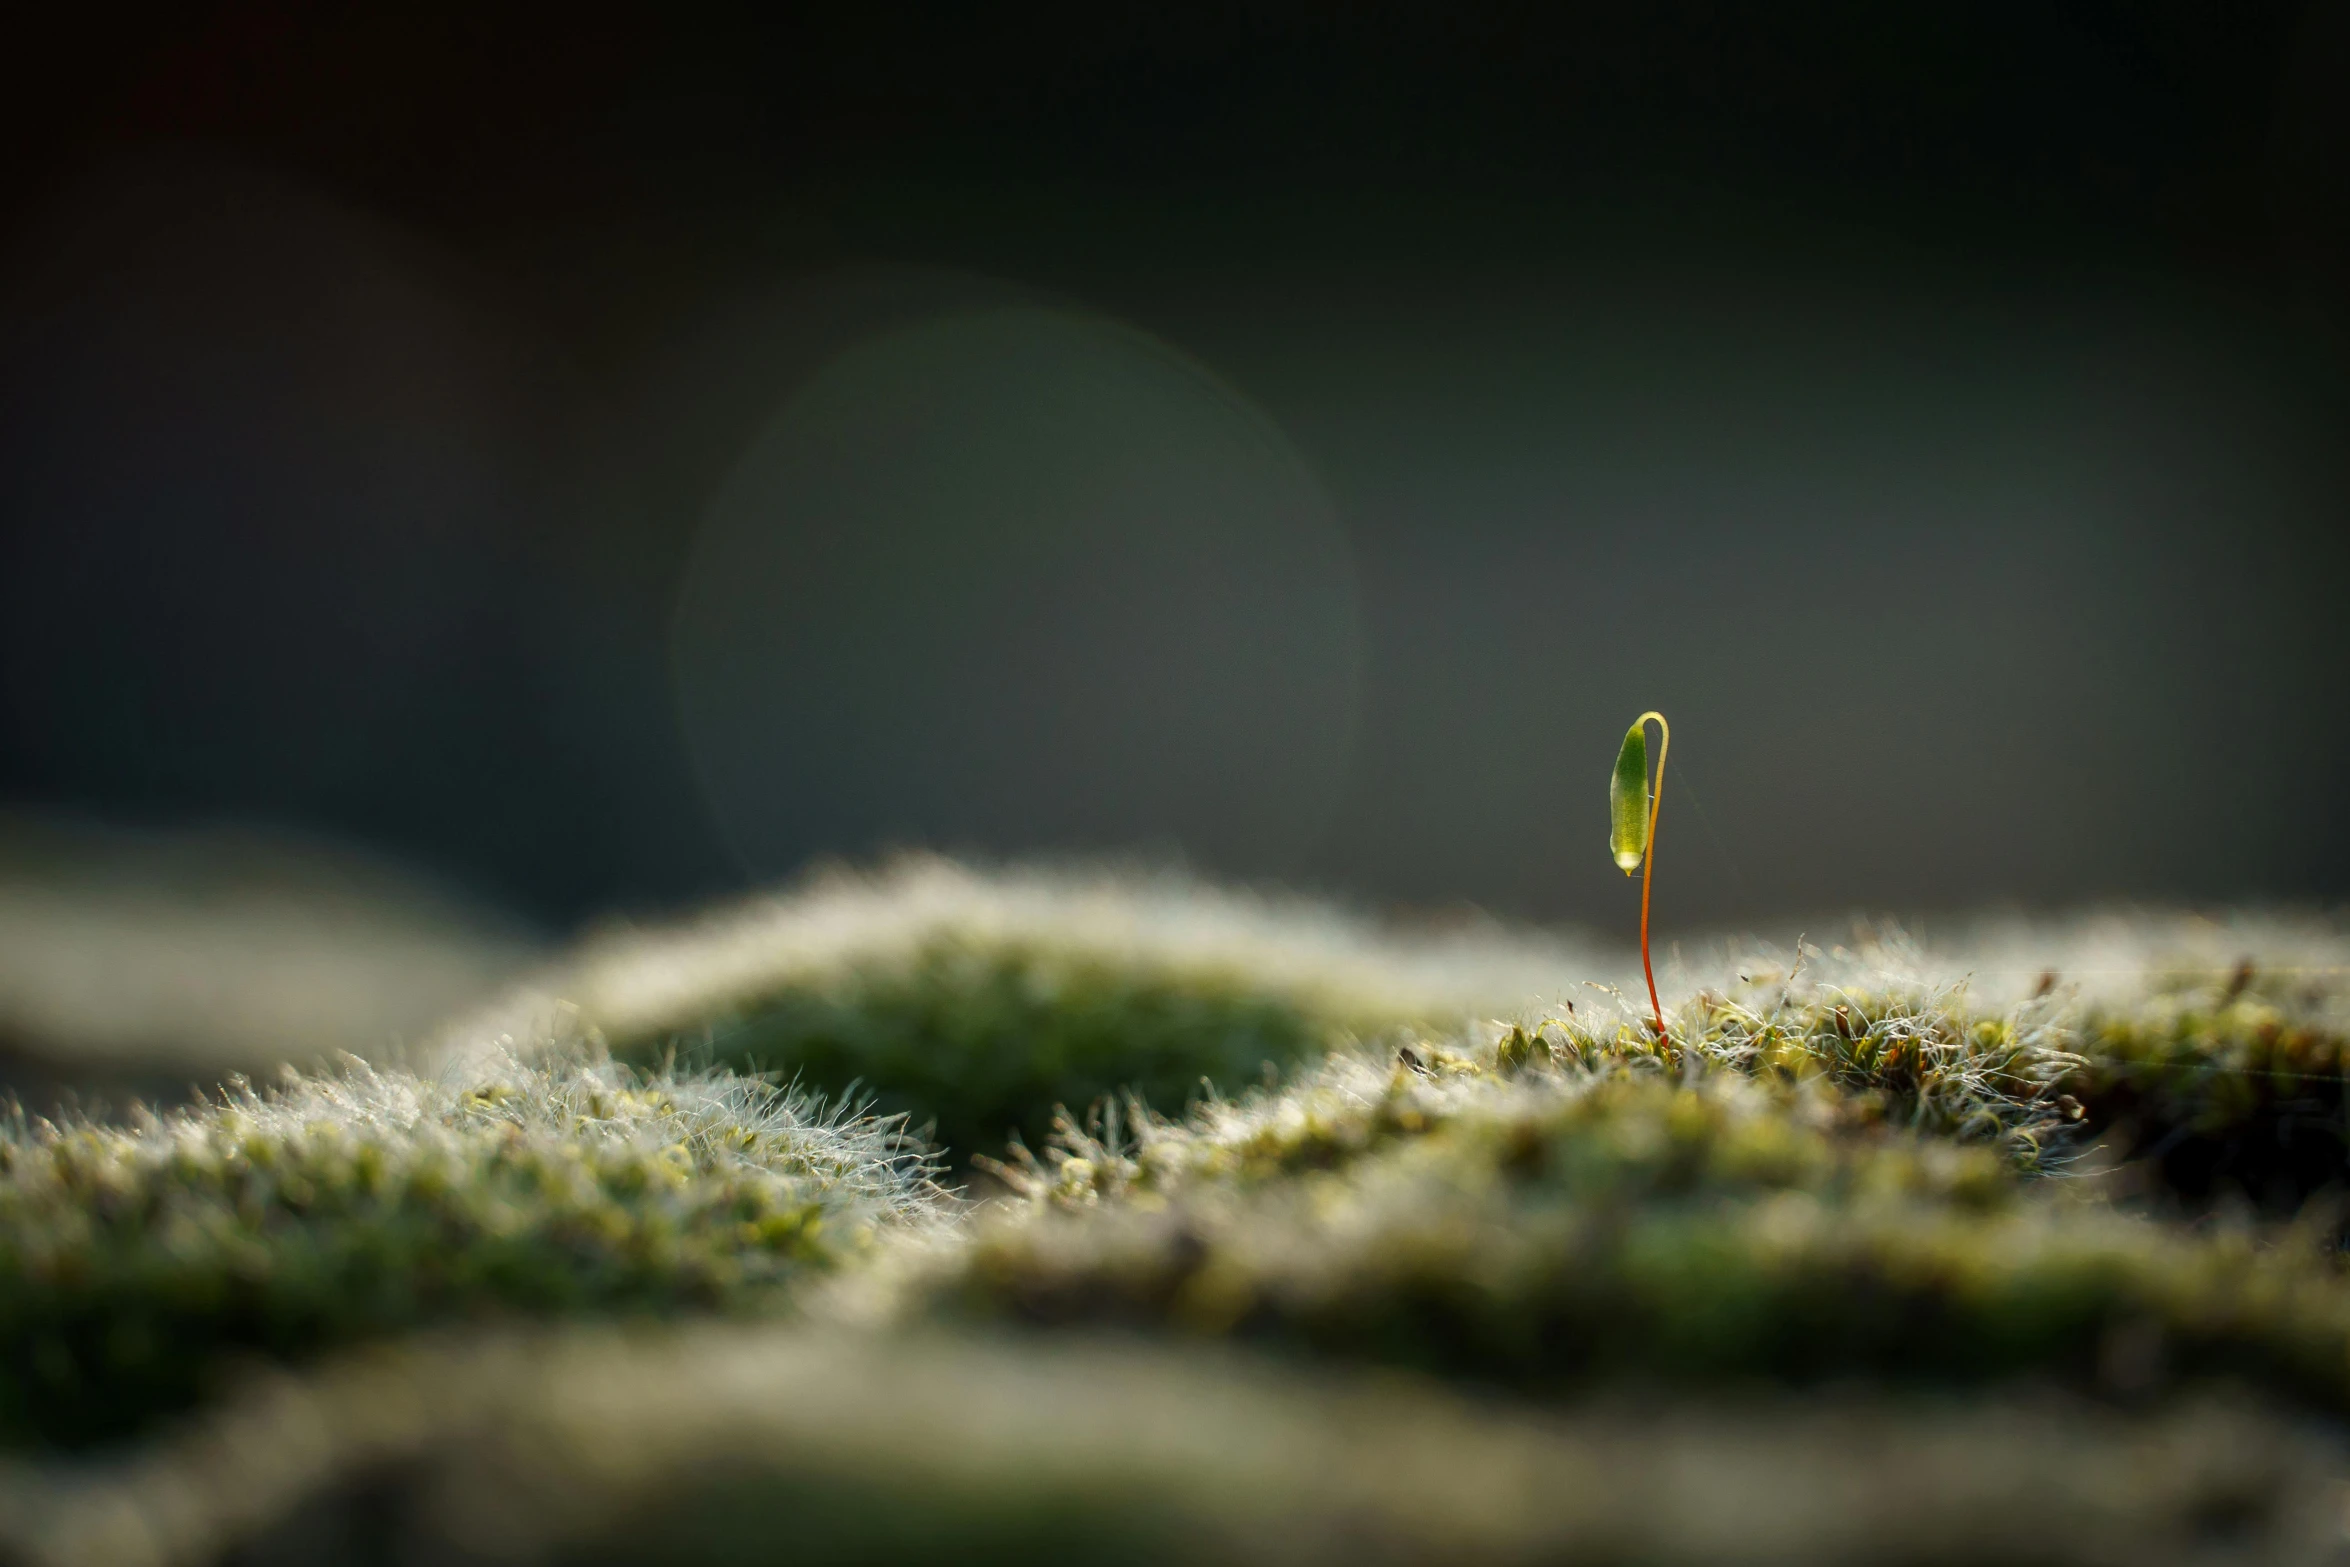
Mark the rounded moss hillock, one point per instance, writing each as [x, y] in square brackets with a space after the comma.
[142, 1264]
[981, 1043]
[1559, 1226]
[977, 1002]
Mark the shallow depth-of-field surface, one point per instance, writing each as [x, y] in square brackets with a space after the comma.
[137, 964]
[1243, 1232]
[140, 1264]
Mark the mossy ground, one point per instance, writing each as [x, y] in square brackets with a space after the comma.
[731, 1445]
[1618, 1221]
[141, 1264]
[975, 1003]
[2097, 1227]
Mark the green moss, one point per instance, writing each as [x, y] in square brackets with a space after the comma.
[1561, 1228]
[976, 1002]
[1882, 1185]
[1990, 1086]
[2219, 1094]
[1922, 1059]
[138, 1263]
[759, 1444]
[982, 1041]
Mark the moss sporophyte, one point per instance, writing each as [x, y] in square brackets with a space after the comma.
[1632, 813]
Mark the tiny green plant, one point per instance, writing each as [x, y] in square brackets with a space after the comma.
[1632, 812]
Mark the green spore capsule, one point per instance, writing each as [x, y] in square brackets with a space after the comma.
[1627, 800]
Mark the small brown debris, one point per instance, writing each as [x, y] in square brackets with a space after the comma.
[2047, 984]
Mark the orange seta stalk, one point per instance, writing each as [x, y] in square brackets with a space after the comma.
[1656, 804]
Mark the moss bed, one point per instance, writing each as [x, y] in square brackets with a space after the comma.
[142, 1265]
[1267, 1237]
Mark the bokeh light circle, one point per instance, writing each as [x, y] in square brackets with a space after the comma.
[1012, 579]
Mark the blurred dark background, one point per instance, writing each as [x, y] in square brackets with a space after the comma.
[604, 456]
